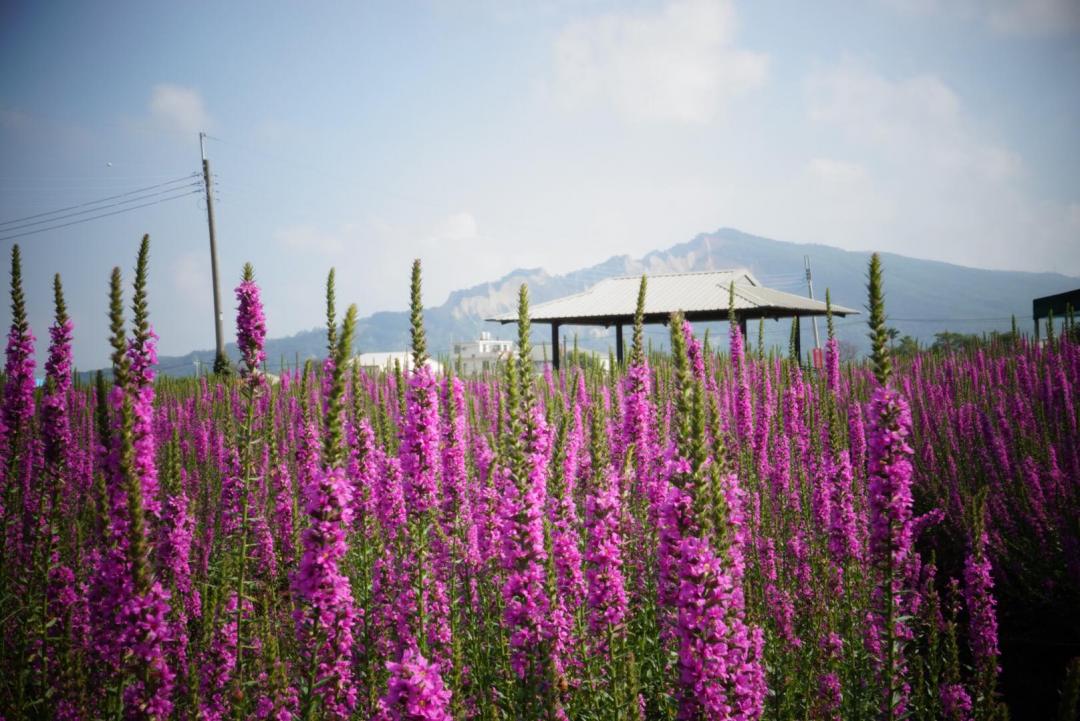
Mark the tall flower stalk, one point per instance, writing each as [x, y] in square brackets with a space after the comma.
[420, 464]
[721, 674]
[56, 426]
[326, 614]
[890, 505]
[142, 352]
[526, 604]
[639, 413]
[604, 571]
[982, 622]
[19, 362]
[133, 605]
[744, 419]
[18, 407]
[250, 337]
[51, 602]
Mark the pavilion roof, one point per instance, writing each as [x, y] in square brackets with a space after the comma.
[701, 296]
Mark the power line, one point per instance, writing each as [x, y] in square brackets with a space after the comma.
[96, 202]
[99, 208]
[110, 177]
[103, 215]
[943, 320]
[90, 185]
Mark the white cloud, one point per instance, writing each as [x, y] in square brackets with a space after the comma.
[918, 118]
[310, 239]
[840, 197]
[191, 277]
[836, 172]
[178, 108]
[337, 241]
[678, 64]
[373, 256]
[459, 226]
[1072, 216]
[931, 180]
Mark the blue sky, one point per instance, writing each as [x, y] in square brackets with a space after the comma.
[487, 136]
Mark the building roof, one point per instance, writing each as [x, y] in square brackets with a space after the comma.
[1057, 303]
[701, 296]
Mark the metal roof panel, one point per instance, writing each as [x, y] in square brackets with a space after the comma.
[705, 291]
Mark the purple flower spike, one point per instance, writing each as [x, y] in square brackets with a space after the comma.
[250, 324]
[415, 691]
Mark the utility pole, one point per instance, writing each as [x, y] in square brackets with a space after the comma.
[810, 287]
[221, 361]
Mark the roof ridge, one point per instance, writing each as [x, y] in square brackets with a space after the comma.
[737, 269]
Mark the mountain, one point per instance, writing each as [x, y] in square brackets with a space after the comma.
[923, 297]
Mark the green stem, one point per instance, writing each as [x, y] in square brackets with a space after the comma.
[247, 442]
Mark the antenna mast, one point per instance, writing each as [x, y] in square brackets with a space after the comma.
[810, 287]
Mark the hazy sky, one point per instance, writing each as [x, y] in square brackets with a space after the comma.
[486, 136]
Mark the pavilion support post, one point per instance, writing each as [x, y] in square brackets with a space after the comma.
[1036, 326]
[618, 343]
[555, 346]
[798, 338]
[742, 327]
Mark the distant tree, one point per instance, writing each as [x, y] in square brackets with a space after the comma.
[1004, 338]
[892, 334]
[908, 346]
[848, 351]
[950, 342]
[583, 359]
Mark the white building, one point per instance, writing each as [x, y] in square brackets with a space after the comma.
[472, 357]
[384, 361]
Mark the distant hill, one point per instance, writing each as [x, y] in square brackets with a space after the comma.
[923, 297]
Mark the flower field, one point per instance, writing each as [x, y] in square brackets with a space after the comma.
[705, 534]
